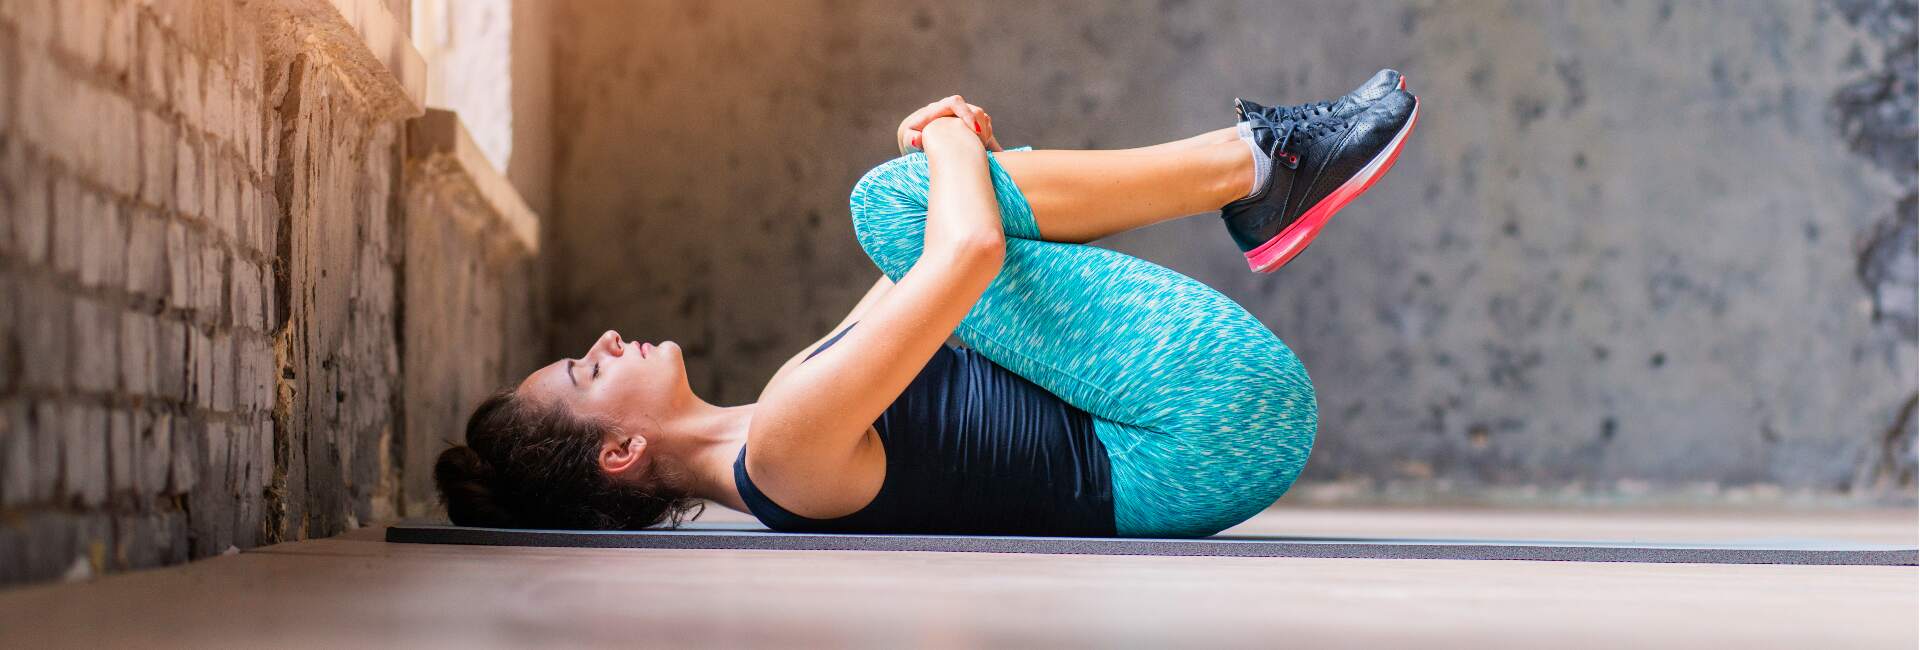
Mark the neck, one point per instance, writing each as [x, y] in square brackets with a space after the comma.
[706, 439]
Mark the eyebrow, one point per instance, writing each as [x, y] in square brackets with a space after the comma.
[570, 378]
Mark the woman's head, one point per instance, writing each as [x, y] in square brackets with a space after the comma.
[574, 446]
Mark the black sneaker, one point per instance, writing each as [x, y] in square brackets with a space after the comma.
[1319, 165]
[1385, 81]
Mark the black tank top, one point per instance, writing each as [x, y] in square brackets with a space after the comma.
[972, 448]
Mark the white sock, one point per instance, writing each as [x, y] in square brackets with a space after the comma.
[1262, 164]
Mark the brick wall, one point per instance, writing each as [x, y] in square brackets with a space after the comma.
[139, 260]
[199, 340]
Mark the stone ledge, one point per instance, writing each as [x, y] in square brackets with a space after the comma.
[364, 42]
[437, 144]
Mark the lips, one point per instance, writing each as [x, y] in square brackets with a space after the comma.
[644, 349]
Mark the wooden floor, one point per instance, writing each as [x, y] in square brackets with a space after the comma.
[357, 591]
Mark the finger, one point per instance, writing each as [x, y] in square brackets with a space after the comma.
[986, 122]
[926, 115]
[965, 112]
[919, 119]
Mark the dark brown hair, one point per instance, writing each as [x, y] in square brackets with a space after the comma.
[530, 465]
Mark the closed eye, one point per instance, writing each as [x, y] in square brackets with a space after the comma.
[596, 370]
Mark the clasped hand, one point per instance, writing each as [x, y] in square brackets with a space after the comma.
[912, 130]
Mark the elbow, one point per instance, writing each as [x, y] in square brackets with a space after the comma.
[983, 250]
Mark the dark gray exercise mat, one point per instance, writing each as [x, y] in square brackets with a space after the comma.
[742, 536]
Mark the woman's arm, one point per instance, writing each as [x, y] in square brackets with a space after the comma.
[874, 293]
[815, 421]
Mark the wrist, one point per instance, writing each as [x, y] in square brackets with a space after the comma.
[948, 132]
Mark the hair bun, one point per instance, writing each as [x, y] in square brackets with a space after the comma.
[467, 487]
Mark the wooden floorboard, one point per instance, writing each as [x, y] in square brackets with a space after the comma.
[356, 590]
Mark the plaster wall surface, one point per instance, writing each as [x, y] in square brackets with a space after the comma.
[1634, 249]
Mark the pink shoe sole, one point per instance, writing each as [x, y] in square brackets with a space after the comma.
[1269, 257]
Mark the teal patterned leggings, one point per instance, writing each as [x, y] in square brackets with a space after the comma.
[1207, 417]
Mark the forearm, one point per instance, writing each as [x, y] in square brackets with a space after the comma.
[963, 215]
[819, 411]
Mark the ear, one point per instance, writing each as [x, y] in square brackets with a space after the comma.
[622, 455]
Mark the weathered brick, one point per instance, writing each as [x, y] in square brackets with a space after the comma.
[240, 453]
[182, 16]
[33, 18]
[146, 254]
[151, 539]
[96, 342]
[214, 447]
[266, 381]
[246, 220]
[187, 85]
[155, 455]
[269, 215]
[16, 455]
[9, 322]
[200, 358]
[103, 245]
[70, 206]
[48, 420]
[138, 354]
[170, 359]
[183, 264]
[245, 280]
[31, 205]
[262, 456]
[226, 204]
[120, 450]
[186, 176]
[157, 157]
[246, 55]
[154, 60]
[243, 370]
[114, 132]
[210, 155]
[209, 286]
[48, 97]
[184, 471]
[7, 83]
[267, 296]
[250, 133]
[46, 319]
[218, 104]
[83, 475]
[82, 29]
[7, 246]
[117, 51]
[223, 379]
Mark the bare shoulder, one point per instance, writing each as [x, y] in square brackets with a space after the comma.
[813, 485]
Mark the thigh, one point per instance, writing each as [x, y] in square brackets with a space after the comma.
[1120, 337]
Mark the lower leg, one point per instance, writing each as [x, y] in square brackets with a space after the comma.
[1080, 196]
[1215, 136]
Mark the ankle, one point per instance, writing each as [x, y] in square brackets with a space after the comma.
[1235, 170]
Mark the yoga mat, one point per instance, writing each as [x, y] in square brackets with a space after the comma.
[751, 537]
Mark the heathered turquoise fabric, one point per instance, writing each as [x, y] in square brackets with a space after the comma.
[1207, 417]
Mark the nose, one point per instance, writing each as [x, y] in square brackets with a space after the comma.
[609, 344]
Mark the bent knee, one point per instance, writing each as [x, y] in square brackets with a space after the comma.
[894, 187]
[889, 210]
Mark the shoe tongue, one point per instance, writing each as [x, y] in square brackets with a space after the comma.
[1242, 108]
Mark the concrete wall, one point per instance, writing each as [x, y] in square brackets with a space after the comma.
[200, 261]
[1638, 249]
